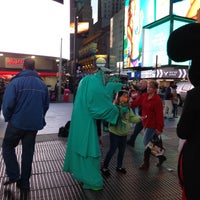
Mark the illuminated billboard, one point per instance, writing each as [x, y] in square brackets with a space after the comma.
[154, 44]
[83, 27]
[139, 14]
[155, 41]
[186, 8]
[132, 33]
[35, 27]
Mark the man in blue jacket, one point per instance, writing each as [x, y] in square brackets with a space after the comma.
[25, 103]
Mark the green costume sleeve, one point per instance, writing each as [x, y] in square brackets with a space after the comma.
[112, 88]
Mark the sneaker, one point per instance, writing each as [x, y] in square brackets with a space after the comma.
[161, 160]
[105, 171]
[121, 170]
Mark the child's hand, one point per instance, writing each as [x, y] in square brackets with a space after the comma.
[143, 117]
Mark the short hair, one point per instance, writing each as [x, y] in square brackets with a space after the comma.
[122, 92]
[153, 84]
[119, 94]
[29, 63]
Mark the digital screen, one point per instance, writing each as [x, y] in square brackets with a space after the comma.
[83, 27]
[35, 27]
[132, 33]
[155, 40]
[155, 44]
[138, 14]
[186, 8]
[162, 8]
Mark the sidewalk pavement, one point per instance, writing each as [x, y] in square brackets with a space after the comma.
[48, 180]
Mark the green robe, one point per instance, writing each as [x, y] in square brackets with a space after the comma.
[83, 153]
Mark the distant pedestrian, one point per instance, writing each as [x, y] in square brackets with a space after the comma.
[138, 127]
[119, 132]
[25, 103]
[153, 120]
[168, 106]
[175, 101]
[83, 154]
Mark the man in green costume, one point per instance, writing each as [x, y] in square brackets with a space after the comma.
[83, 153]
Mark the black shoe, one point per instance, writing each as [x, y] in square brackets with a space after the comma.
[21, 187]
[105, 172]
[161, 160]
[121, 170]
[10, 181]
[130, 143]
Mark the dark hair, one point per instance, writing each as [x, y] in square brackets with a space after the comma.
[122, 92]
[29, 63]
[119, 94]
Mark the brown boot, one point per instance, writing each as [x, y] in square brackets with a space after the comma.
[161, 160]
[145, 164]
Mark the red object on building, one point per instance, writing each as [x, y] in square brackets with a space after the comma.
[66, 95]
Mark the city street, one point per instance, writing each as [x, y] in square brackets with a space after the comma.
[48, 180]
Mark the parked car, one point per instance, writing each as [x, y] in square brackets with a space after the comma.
[182, 88]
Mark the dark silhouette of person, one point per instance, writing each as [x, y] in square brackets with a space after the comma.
[184, 44]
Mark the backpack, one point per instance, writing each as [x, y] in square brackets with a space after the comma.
[64, 130]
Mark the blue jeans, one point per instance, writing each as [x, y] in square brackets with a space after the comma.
[11, 140]
[116, 142]
[148, 135]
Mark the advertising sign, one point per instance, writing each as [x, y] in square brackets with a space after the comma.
[35, 27]
[140, 13]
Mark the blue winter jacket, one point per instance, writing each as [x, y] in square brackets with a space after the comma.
[26, 101]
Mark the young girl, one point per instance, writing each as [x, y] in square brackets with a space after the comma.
[118, 133]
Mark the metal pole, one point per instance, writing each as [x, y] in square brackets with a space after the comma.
[60, 72]
[75, 56]
[156, 66]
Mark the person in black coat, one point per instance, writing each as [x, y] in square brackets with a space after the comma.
[188, 126]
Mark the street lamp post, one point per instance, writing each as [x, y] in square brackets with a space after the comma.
[60, 72]
[75, 56]
[119, 67]
[156, 66]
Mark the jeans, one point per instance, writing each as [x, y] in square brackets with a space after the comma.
[138, 128]
[148, 135]
[116, 142]
[11, 140]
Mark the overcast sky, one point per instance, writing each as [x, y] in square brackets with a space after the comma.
[94, 10]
